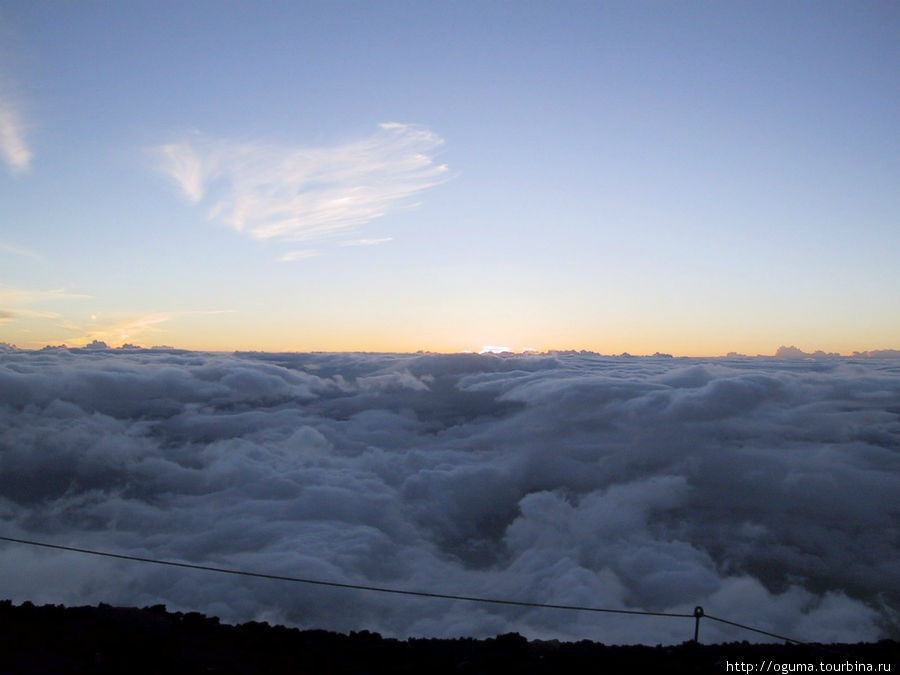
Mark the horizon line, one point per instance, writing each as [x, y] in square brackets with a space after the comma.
[783, 352]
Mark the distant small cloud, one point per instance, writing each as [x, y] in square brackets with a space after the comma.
[13, 147]
[793, 352]
[96, 344]
[366, 242]
[879, 353]
[304, 193]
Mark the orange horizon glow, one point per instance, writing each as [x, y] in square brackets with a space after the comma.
[229, 331]
[443, 347]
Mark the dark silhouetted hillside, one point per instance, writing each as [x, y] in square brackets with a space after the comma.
[105, 639]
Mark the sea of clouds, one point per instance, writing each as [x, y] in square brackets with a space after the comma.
[764, 490]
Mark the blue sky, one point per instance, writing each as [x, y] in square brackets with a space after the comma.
[694, 178]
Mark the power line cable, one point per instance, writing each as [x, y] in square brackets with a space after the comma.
[397, 591]
[757, 630]
[335, 584]
[792, 641]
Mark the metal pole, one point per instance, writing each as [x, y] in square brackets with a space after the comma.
[698, 614]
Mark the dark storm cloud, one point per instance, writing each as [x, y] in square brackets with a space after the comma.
[763, 490]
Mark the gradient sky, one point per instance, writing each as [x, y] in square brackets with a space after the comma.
[694, 178]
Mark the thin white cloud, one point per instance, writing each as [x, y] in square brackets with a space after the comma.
[185, 166]
[11, 295]
[303, 193]
[117, 330]
[17, 304]
[301, 254]
[13, 147]
[367, 242]
[19, 251]
[129, 329]
[29, 314]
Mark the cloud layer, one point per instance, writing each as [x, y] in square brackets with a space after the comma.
[303, 193]
[763, 490]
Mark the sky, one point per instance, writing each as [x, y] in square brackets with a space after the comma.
[692, 178]
[763, 490]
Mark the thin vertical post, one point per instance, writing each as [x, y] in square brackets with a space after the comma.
[698, 614]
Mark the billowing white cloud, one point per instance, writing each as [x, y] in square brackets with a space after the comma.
[763, 490]
[493, 349]
[301, 193]
[13, 146]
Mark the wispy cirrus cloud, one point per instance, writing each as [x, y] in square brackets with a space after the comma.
[301, 254]
[74, 327]
[17, 304]
[13, 147]
[19, 251]
[126, 329]
[11, 295]
[304, 193]
[117, 329]
[367, 242]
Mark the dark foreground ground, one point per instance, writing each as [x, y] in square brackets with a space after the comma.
[104, 639]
